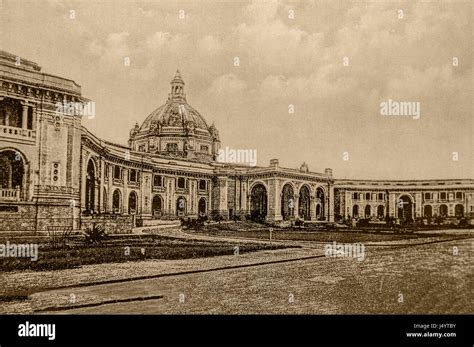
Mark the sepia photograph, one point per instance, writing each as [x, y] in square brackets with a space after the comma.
[295, 159]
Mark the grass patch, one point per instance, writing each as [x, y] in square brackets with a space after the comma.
[316, 236]
[123, 249]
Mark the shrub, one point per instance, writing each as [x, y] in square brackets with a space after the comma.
[363, 223]
[59, 236]
[95, 234]
[463, 223]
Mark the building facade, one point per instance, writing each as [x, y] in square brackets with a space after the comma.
[54, 173]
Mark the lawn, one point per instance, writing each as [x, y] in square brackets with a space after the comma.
[122, 249]
[249, 231]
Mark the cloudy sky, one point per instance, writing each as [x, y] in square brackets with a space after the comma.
[334, 61]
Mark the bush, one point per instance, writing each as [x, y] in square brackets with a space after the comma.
[59, 236]
[463, 223]
[95, 234]
[363, 223]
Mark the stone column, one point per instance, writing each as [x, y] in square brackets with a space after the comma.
[222, 181]
[296, 204]
[24, 117]
[101, 188]
[331, 203]
[110, 192]
[392, 205]
[125, 191]
[312, 208]
[274, 200]
[419, 205]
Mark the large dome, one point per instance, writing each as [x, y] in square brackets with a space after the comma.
[176, 128]
[174, 113]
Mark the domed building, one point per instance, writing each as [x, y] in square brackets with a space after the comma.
[176, 129]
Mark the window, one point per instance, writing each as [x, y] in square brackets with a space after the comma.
[380, 196]
[204, 148]
[181, 182]
[367, 196]
[157, 181]
[106, 170]
[442, 196]
[171, 147]
[133, 175]
[202, 185]
[355, 196]
[459, 195]
[427, 196]
[117, 172]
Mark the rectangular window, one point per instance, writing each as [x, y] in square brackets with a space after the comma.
[157, 181]
[171, 147]
[380, 196]
[427, 196]
[443, 196]
[202, 185]
[181, 182]
[117, 172]
[133, 175]
[459, 196]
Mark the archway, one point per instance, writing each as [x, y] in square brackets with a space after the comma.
[443, 210]
[459, 210]
[90, 186]
[380, 211]
[181, 206]
[132, 203]
[367, 211]
[405, 208]
[320, 200]
[428, 211]
[12, 172]
[157, 205]
[304, 203]
[202, 206]
[287, 201]
[355, 211]
[258, 202]
[116, 201]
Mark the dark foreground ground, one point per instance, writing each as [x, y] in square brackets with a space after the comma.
[417, 279]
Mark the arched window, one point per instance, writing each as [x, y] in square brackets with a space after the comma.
[428, 211]
[380, 211]
[90, 186]
[355, 211]
[202, 207]
[104, 199]
[117, 201]
[367, 211]
[132, 203]
[443, 210]
[157, 206]
[459, 210]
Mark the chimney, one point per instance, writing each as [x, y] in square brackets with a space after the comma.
[274, 163]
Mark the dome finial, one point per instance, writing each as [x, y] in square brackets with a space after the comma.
[177, 86]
